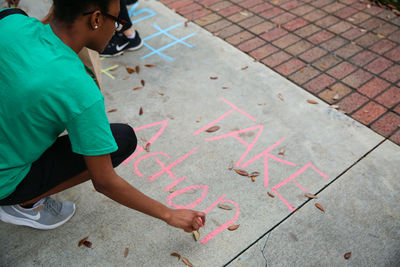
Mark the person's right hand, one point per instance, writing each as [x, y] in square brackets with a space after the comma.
[188, 220]
[12, 3]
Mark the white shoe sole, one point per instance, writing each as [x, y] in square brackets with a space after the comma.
[30, 223]
[137, 47]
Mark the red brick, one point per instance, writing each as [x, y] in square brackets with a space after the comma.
[392, 74]
[374, 10]
[327, 21]
[290, 66]
[208, 3]
[386, 29]
[254, 20]
[260, 8]
[197, 14]
[301, 10]
[321, 3]
[295, 24]
[352, 102]
[357, 78]
[299, 47]
[180, 3]
[348, 2]
[276, 59]
[367, 39]
[304, 75]
[346, 12]
[340, 27]
[363, 58]
[270, 13]
[390, 97]
[166, 2]
[273, 34]
[319, 83]
[373, 87]
[239, 16]
[314, 15]
[250, 3]
[360, 17]
[229, 31]
[221, 5]
[334, 43]
[395, 36]
[286, 40]
[394, 54]
[353, 33]
[348, 50]
[326, 62]
[359, 6]
[372, 23]
[229, 10]
[263, 51]
[387, 124]
[217, 26]
[378, 65]
[262, 28]
[368, 113]
[320, 37]
[385, 45]
[239, 37]
[251, 44]
[395, 138]
[307, 30]
[335, 93]
[188, 9]
[342, 70]
[290, 5]
[333, 7]
[397, 109]
[312, 54]
[282, 19]
[208, 19]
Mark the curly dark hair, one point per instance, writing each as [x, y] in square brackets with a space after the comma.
[69, 10]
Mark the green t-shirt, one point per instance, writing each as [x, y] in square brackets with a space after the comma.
[44, 89]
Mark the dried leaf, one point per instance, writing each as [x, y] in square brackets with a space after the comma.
[276, 2]
[280, 96]
[142, 82]
[80, 243]
[186, 23]
[319, 207]
[130, 70]
[245, 67]
[262, 104]
[137, 88]
[282, 152]
[87, 244]
[198, 120]
[312, 101]
[368, 6]
[112, 110]
[270, 194]
[160, 93]
[196, 235]
[224, 87]
[213, 129]
[143, 139]
[363, 30]
[380, 35]
[347, 255]
[334, 106]
[253, 178]
[147, 147]
[233, 227]
[173, 189]
[176, 255]
[213, 78]
[351, 19]
[149, 66]
[255, 174]
[170, 116]
[137, 68]
[224, 207]
[230, 165]
[244, 13]
[309, 195]
[126, 252]
[241, 172]
[140, 111]
[301, 70]
[187, 262]
[335, 97]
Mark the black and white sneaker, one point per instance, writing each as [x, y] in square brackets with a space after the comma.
[119, 43]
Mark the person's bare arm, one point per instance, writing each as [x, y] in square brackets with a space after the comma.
[107, 182]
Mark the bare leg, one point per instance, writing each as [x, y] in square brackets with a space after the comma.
[78, 179]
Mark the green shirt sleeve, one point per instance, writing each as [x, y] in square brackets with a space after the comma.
[90, 132]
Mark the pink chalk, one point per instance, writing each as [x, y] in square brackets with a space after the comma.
[145, 157]
[194, 203]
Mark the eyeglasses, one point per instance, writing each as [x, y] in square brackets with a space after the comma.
[119, 23]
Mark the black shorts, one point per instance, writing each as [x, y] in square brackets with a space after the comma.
[58, 164]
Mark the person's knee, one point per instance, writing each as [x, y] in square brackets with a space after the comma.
[125, 137]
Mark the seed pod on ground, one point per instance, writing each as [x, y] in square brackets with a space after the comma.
[233, 227]
[213, 129]
[242, 172]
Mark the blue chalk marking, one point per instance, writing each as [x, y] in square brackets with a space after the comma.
[133, 12]
[156, 52]
[171, 36]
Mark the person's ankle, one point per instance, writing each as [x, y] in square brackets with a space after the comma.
[130, 33]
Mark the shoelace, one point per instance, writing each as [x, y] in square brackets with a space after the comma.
[53, 206]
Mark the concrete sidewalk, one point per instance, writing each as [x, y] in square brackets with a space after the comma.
[196, 81]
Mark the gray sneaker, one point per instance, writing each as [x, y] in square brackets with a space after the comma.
[46, 214]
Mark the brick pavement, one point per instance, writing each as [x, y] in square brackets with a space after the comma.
[345, 52]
